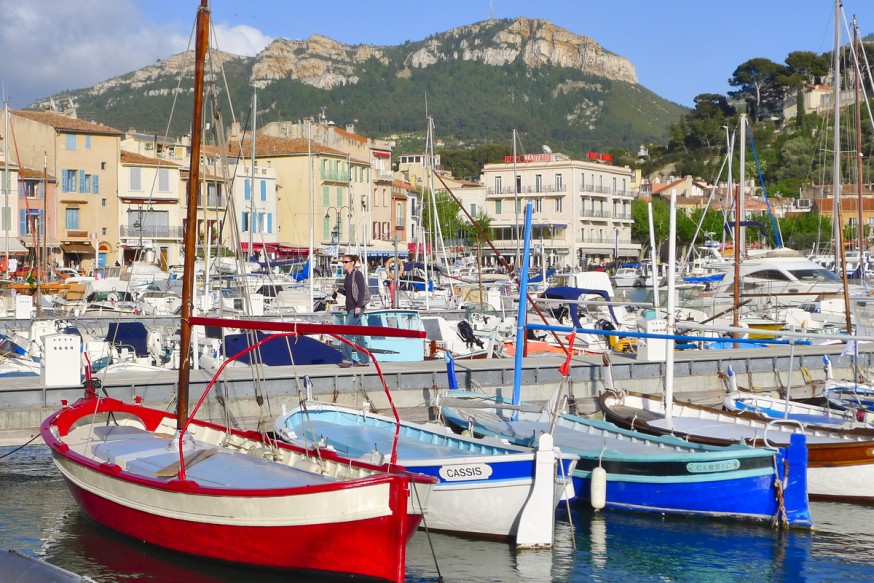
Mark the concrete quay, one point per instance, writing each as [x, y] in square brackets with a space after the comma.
[25, 403]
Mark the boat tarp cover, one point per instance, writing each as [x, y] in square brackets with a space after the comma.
[573, 294]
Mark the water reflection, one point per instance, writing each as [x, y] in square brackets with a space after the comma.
[39, 517]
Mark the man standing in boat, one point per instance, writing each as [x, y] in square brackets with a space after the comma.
[355, 290]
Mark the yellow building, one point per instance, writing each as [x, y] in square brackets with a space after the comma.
[84, 156]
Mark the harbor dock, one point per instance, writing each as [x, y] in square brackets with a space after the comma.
[698, 377]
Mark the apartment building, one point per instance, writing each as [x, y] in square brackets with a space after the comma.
[150, 218]
[84, 156]
[582, 209]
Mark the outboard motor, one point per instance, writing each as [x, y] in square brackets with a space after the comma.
[465, 331]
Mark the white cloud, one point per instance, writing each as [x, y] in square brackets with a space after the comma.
[240, 39]
[50, 46]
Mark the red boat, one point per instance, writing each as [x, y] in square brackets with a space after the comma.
[242, 499]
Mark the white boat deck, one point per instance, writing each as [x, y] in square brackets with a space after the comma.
[143, 453]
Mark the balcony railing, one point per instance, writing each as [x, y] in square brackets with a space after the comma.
[152, 231]
[335, 176]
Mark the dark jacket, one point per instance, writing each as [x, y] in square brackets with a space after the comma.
[355, 278]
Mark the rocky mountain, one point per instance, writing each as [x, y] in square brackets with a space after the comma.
[480, 81]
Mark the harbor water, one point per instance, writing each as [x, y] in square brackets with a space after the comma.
[40, 518]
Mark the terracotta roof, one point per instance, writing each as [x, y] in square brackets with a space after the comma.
[827, 205]
[66, 123]
[33, 173]
[352, 136]
[134, 158]
[266, 146]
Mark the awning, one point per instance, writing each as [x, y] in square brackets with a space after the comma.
[12, 244]
[381, 154]
[51, 242]
[378, 248]
[85, 248]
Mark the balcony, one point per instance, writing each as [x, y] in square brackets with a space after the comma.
[152, 231]
[335, 177]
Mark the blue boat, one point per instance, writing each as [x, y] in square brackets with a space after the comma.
[486, 488]
[655, 474]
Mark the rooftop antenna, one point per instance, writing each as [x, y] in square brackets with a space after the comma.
[491, 9]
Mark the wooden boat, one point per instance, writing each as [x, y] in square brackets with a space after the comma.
[192, 486]
[840, 462]
[486, 488]
[777, 408]
[644, 473]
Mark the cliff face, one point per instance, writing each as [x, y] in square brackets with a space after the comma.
[325, 63]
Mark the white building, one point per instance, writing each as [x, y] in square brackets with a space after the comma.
[582, 210]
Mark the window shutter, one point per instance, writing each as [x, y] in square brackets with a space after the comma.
[269, 222]
[95, 184]
[81, 181]
[65, 184]
[22, 222]
[263, 190]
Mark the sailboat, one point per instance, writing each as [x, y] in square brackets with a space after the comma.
[195, 487]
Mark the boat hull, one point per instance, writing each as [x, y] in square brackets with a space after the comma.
[840, 462]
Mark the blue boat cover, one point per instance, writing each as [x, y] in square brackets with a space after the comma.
[283, 351]
[130, 334]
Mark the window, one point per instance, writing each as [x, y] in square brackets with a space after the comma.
[135, 183]
[614, 184]
[163, 180]
[498, 207]
[87, 142]
[103, 231]
[559, 183]
[497, 185]
[247, 190]
[326, 196]
[538, 183]
[399, 215]
[102, 202]
[68, 180]
[245, 223]
[70, 141]
[95, 184]
[558, 205]
[72, 218]
[538, 205]
[263, 190]
[84, 182]
[269, 222]
[473, 209]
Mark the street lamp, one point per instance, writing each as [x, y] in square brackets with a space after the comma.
[335, 235]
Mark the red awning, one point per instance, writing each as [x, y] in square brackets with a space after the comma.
[419, 248]
[275, 248]
[381, 154]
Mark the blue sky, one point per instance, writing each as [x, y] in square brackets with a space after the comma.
[679, 48]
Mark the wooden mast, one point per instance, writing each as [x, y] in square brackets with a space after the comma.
[201, 42]
[859, 165]
[836, 166]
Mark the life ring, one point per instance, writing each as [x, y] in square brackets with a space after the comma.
[112, 298]
[389, 266]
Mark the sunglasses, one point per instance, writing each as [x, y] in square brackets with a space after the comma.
[347, 261]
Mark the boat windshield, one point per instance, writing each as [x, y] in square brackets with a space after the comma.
[814, 275]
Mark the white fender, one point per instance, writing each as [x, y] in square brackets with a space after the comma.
[598, 488]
